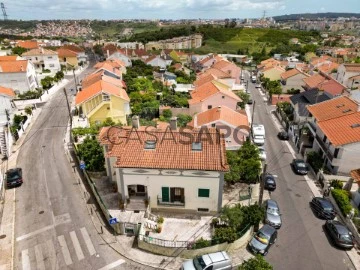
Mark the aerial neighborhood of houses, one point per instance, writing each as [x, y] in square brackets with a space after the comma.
[183, 141]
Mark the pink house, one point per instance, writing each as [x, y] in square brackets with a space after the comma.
[230, 68]
[207, 62]
[210, 95]
[234, 125]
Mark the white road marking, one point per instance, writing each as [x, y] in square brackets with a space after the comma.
[63, 221]
[65, 250]
[77, 246]
[52, 254]
[112, 265]
[87, 240]
[25, 260]
[39, 258]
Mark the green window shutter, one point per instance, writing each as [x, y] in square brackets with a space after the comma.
[165, 194]
[202, 192]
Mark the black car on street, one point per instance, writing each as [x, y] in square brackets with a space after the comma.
[283, 135]
[300, 167]
[269, 182]
[323, 208]
[13, 177]
[339, 234]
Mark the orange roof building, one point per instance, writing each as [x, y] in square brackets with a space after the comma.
[28, 44]
[7, 92]
[169, 165]
[13, 66]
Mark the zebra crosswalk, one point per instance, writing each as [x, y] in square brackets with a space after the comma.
[43, 256]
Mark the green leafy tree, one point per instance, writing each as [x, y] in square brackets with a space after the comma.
[183, 119]
[167, 114]
[18, 50]
[28, 110]
[244, 97]
[92, 153]
[59, 76]
[256, 263]
[47, 82]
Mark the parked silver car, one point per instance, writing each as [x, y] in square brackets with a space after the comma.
[214, 261]
[272, 214]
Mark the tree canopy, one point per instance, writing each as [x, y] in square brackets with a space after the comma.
[256, 263]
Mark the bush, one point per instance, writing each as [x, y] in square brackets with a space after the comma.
[315, 160]
[92, 153]
[342, 200]
[160, 220]
[256, 263]
[46, 71]
[201, 243]
[337, 184]
[31, 94]
[224, 234]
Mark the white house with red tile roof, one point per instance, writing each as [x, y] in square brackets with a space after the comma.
[175, 171]
[18, 75]
[43, 59]
[233, 124]
[335, 127]
[120, 56]
[349, 75]
[210, 95]
[292, 78]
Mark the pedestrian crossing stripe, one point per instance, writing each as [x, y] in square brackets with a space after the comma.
[45, 253]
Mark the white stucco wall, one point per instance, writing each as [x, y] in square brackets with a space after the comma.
[154, 180]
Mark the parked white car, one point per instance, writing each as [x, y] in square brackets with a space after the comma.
[262, 153]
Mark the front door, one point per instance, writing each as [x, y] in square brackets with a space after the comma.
[165, 194]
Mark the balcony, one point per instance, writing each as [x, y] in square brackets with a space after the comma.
[172, 202]
[324, 147]
[312, 127]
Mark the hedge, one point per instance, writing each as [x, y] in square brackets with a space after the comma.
[342, 199]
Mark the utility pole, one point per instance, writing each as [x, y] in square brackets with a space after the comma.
[252, 116]
[75, 80]
[262, 178]
[69, 110]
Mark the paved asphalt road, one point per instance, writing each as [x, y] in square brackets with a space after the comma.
[52, 228]
[301, 242]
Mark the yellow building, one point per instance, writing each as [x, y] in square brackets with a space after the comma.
[179, 56]
[68, 57]
[103, 98]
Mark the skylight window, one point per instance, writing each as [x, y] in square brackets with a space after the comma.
[356, 125]
[340, 105]
[347, 110]
[196, 146]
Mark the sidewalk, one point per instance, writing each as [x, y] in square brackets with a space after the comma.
[7, 224]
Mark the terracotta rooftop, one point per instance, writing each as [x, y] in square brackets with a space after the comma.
[342, 130]
[173, 149]
[355, 174]
[332, 86]
[275, 99]
[221, 113]
[66, 53]
[7, 91]
[314, 80]
[204, 79]
[352, 67]
[211, 88]
[222, 64]
[328, 67]
[27, 44]
[289, 73]
[8, 57]
[111, 67]
[100, 87]
[95, 77]
[39, 52]
[13, 66]
[216, 72]
[333, 108]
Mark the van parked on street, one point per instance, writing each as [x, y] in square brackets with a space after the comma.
[214, 261]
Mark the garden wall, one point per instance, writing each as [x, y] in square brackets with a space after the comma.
[191, 253]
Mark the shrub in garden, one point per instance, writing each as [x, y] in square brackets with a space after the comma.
[337, 184]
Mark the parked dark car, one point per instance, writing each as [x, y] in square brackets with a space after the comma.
[14, 177]
[262, 240]
[283, 135]
[250, 101]
[300, 166]
[272, 214]
[323, 208]
[269, 182]
[339, 234]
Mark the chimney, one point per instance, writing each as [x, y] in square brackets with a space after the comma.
[135, 122]
[173, 123]
[219, 108]
[108, 53]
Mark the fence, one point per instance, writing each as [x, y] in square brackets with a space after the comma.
[95, 192]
